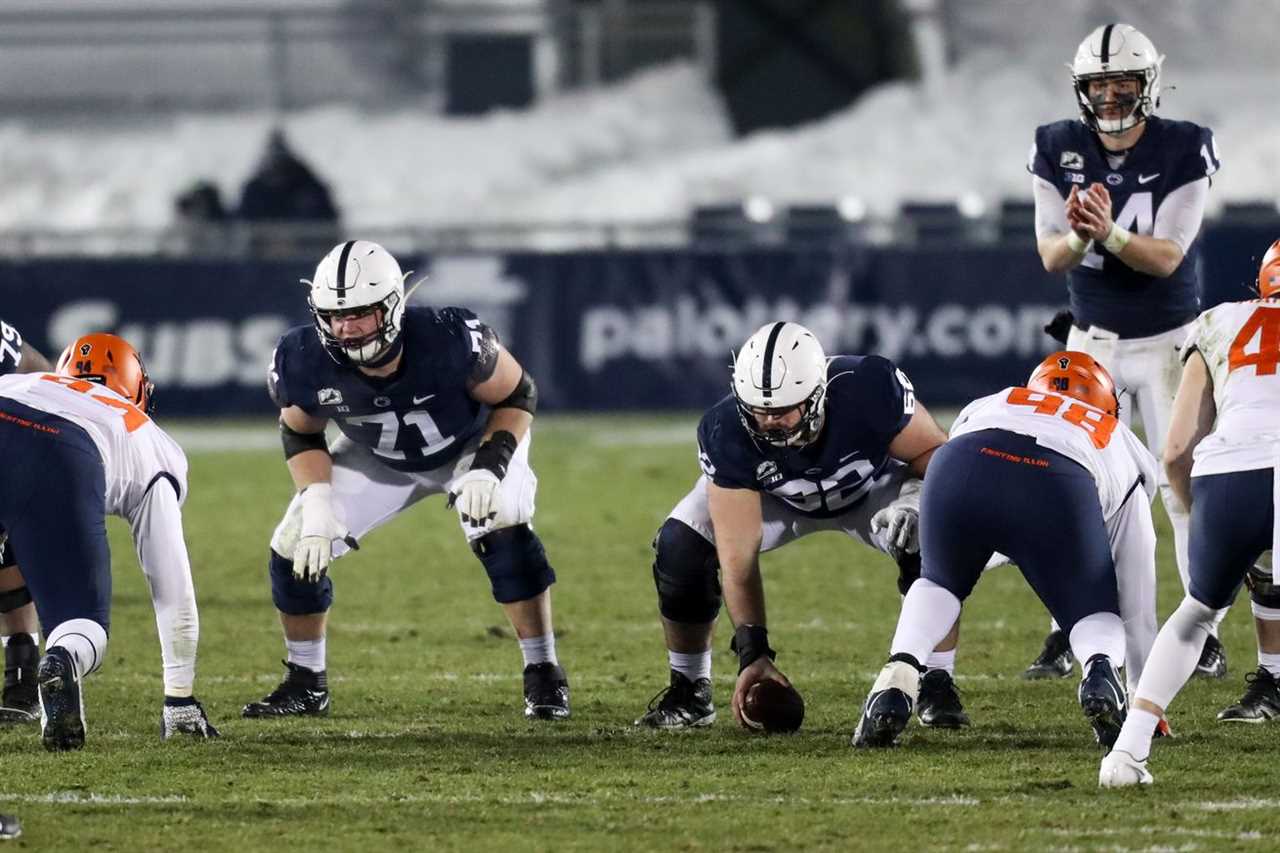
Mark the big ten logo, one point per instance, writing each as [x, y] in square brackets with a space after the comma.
[200, 352]
[686, 329]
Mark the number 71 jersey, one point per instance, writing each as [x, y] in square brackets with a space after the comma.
[1240, 343]
[1105, 447]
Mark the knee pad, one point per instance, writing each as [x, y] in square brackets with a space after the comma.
[686, 572]
[908, 572]
[516, 563]
[14, 598]
[295, 597]
[1263, 591]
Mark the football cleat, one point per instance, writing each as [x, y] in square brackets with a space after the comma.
[61, 702]
[884, 717]
[683, 704]
[938, 704]
[303, 693]
[10, 827]
[1120, 769]
[20, 701]
[1102, 698]
[1260, 702]
[1213, 659]
[1055, 660]
[546, 692]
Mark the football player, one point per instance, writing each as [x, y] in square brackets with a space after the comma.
[1047, 475]
[1222, 460]
[19, 628]
[76, 445]
[428, 402]
[803, 444]
[1119, 196]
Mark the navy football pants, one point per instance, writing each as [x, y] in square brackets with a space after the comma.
[999, 491]
[1231, 518]
[52, 504]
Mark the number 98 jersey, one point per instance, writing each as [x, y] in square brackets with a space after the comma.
[869, 401]
[1240, 343]
[416, 420]
[1102, 444]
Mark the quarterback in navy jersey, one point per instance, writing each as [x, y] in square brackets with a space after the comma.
[803, 444]
[1120, 194]
[427, 402]
[19, 627]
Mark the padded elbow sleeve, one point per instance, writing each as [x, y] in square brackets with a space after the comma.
[300, 442]
[524, 397]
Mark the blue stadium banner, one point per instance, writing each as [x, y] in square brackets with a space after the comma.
[599, 330]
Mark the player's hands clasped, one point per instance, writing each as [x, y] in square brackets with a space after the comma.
[1089, 212]
[185, 716]
[320, 526]
[475, 496]
[761, 669]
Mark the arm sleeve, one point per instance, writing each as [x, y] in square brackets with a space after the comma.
[157, 534]
[1051, 213]
[1180, 214]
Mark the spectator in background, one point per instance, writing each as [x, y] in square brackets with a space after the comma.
[285, 192]
[201, 219]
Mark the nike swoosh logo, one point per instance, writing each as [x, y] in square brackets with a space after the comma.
[418, 400]
[1144, 179]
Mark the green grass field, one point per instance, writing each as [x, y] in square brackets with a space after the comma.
[426, 748]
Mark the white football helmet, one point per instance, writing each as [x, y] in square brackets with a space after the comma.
[781, 367]
[1117, 50]
[358, 277]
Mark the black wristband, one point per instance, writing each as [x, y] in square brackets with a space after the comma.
[495, 454]
[750, 643]
[180, 701]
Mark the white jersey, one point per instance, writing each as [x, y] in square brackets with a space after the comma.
[1105, 447]
[140, 462]
[1240, 343]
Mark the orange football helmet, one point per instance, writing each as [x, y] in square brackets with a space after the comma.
[1269, 272]
[1078, 375]
[111, 361]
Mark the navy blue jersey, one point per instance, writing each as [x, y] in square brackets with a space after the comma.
[10, 349]
[416, 420]
[1104, 290]
[869, 401]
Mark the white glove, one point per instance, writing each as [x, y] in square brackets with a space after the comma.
[320, 527]
[474, 495]
[185, 717]
[902, 520]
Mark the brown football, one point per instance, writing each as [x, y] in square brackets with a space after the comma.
[773, 707]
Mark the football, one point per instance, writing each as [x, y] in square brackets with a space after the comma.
[773, 707]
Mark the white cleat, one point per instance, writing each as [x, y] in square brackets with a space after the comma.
[1120, 770]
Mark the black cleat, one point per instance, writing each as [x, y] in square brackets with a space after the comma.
[546, 692]
[61, 702]
[1055, 660]
[938, 704]
[1213, 659]
[683, 704]
[20, 701]
[1102, 698]
[303, 693]
[1260, 702]
[884, 717]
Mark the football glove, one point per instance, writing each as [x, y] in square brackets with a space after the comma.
[901, 520]
[474, 495]
[185, 716]
[320, 526]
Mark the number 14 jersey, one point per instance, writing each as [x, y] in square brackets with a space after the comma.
[1106, 448]
[1240, 343]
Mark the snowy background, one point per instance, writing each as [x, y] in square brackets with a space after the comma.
[654, 146]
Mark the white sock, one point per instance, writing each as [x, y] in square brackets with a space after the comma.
[309, 654]
[85, 639]
[1269, 662]
[34, 635]
[539, 649]
[942, 660]
[1136, 733]
[928, 612]
[1098, 634]
[693, 665]
[1176, 652]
